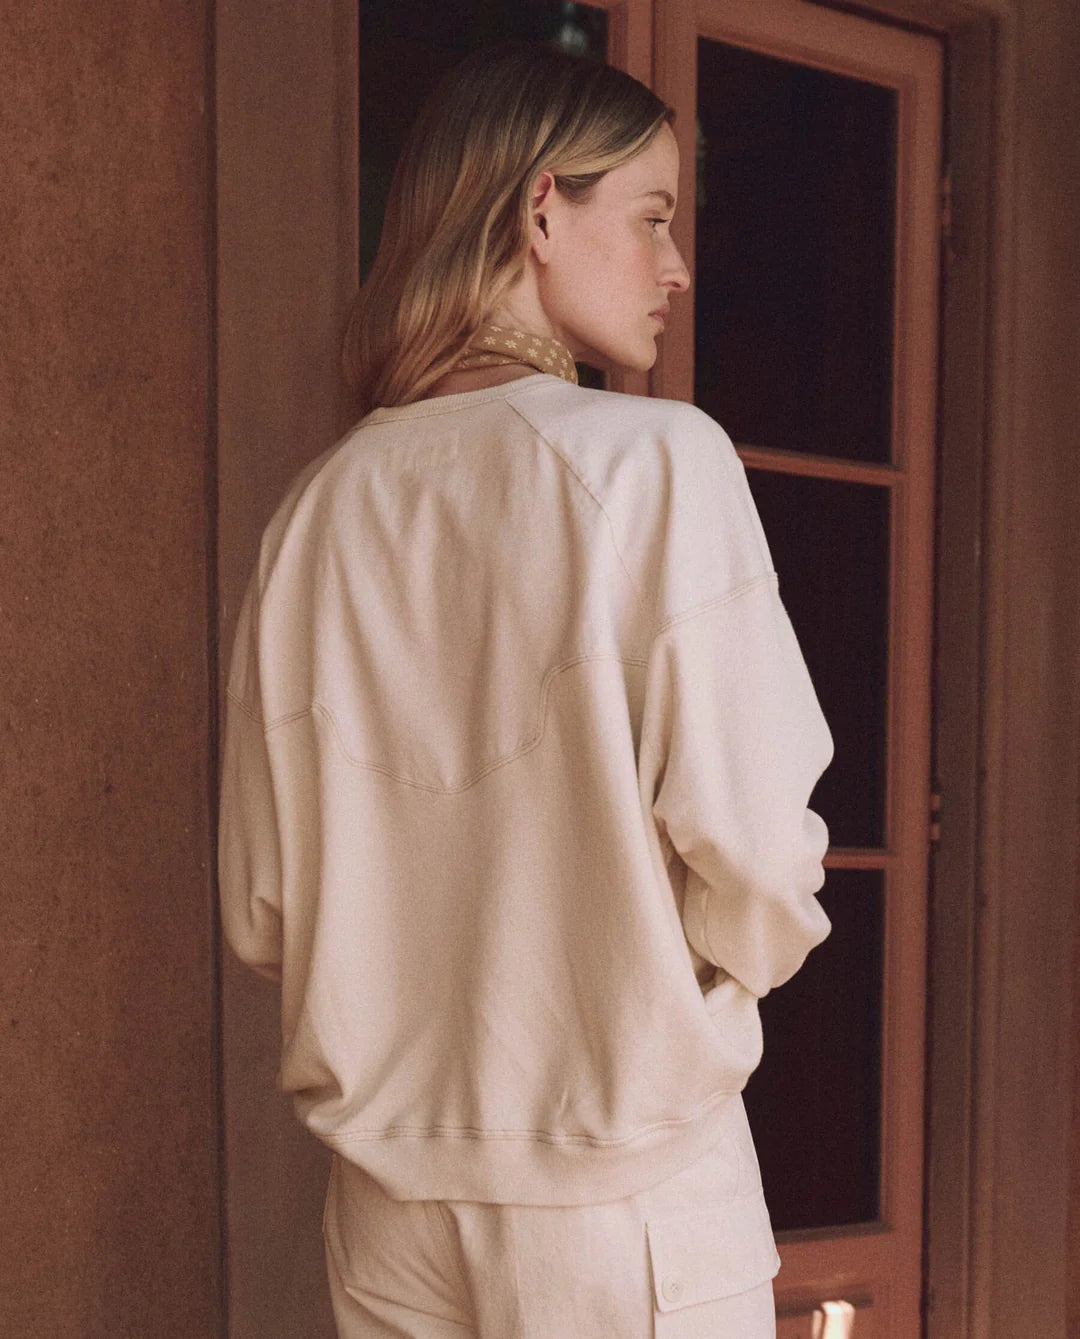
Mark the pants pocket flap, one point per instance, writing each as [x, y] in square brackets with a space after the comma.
[703, 1256]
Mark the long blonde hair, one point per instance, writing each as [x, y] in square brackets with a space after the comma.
[455, 233]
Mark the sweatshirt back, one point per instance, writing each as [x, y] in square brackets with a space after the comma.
[519, 745]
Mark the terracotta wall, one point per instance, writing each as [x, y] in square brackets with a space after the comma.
[1039, 501]
[1051, 176]
[109, 1170]
[1072, 1301]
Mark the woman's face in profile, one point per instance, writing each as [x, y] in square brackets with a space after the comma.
[611, 262]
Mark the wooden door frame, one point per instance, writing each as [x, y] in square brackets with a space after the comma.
[1000, 1077]
[877, 1266]
[1004, 874]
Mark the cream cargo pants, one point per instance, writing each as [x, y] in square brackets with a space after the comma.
[690, 1258]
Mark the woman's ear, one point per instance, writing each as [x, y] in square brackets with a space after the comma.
[543, 196]
[543, 188]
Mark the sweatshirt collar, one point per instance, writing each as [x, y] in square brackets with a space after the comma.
[439, 404]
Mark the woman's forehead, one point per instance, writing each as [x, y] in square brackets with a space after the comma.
[652, 176]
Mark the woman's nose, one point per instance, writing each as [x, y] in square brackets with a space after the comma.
[676, 275]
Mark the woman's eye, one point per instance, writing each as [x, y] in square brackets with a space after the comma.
[654, 222]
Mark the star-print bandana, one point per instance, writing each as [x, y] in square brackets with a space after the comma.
[495, 346]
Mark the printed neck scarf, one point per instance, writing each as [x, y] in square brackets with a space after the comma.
[495, 346]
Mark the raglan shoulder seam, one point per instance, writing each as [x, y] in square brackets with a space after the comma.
[587, 488]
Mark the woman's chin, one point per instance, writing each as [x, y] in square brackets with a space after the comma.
[643, 359]
[637, 359]
[630, 356]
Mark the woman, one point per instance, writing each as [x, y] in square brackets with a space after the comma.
[518, 752]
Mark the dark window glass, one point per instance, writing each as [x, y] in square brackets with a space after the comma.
[815, 1101]
[830, 545]
[405, 48]
[794, 254]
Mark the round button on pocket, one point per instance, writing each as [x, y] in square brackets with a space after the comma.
[672, 1288]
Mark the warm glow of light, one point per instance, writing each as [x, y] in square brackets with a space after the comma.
[835, 1320]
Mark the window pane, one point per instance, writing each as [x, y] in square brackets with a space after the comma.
[794, 254]
[830, 545]
[815, 1101]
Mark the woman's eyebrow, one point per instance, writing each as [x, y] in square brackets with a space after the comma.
[667, 197]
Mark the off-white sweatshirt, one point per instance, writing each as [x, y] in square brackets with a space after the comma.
[518, 752]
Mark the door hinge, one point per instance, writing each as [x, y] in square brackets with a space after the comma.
[945, 220]
[935, 820]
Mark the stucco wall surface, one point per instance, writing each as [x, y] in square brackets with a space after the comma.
[1039, 493]
[108, 1178]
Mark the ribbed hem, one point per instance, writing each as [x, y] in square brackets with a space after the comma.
[512, 1169]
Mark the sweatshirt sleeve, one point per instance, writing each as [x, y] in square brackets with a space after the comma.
[733, 742]
[249, 861]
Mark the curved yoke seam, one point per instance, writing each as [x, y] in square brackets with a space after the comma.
[526, 747]
[766, 578]
[471, 1132]
[587, 488]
